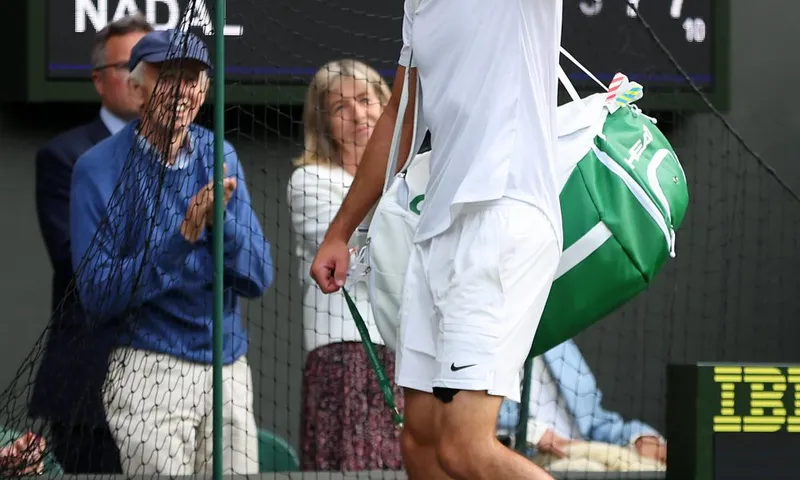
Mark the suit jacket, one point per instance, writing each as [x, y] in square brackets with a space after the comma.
[70, 376]
[315, 193]
[583, 399]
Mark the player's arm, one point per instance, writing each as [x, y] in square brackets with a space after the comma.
[371, 174]
[329, 268]
[368, 183]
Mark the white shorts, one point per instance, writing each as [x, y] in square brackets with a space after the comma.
[473, 298]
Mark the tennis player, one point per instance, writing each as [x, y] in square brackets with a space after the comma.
[489, 239]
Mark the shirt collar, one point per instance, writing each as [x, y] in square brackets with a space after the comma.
[112, 122]
[183, 158]
[346, 178]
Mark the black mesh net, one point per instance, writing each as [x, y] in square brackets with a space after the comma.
[126, 358]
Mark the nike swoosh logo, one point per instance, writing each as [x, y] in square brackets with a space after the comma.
[453, 367]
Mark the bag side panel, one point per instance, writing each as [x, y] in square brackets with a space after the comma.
[578, 211]
[589, 292]
[391, 240]
[636, 231]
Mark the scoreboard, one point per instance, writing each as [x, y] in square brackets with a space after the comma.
[273, 47]
[733, 422]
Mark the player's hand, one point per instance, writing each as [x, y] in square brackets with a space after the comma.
[651, 447]
[553, 444]
[330, 265]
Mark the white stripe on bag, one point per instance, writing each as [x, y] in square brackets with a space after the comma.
[585, 246]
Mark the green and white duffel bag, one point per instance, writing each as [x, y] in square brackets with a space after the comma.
[623, 196]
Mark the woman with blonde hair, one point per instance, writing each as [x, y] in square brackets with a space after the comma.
[345, 424]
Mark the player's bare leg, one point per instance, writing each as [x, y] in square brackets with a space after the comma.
[420, 436]
[468, 448]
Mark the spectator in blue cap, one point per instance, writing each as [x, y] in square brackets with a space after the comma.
[142, 227]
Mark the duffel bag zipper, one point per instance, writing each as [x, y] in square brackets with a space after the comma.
[641, 196]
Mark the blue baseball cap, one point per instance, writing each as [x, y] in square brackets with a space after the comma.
[165, 45]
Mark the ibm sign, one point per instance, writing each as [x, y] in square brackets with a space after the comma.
[758, 399]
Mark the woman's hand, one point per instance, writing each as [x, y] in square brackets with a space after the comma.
[651, 447]
[553, 444]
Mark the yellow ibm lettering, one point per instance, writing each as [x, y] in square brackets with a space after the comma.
[793, 422]
[767, 388]
[727, 378]
[765, 408]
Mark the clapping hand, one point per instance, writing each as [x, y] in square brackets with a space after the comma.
[200, 213]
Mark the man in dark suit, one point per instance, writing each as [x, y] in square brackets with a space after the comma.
[67, 391]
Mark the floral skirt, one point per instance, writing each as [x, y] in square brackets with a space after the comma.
[346, 425]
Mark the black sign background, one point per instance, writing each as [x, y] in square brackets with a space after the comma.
[285, 41]
[750, 456]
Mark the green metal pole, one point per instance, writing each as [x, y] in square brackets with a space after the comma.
[524, 403]
[217, 247]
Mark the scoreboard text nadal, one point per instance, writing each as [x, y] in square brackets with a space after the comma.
[162, 14]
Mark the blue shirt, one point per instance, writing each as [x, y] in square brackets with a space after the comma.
[112, 122]
[139, 281]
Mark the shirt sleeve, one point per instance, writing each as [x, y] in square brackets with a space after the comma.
[247, 258]
[408, 20]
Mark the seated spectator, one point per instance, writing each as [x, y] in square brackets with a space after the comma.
[565, 412]
[66, 392]
[141, 226]
[345, 424]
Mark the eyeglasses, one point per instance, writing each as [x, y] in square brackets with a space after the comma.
[115, 66]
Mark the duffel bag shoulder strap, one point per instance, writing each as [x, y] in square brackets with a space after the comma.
[565, 81]
[394, 153]
[417, 123]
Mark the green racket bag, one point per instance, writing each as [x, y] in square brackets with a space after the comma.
[624, 195]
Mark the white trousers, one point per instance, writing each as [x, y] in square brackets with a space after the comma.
[159, 411]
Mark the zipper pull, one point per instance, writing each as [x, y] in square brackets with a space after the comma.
[672, 242]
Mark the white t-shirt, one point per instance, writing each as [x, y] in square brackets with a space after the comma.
[489, 73]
